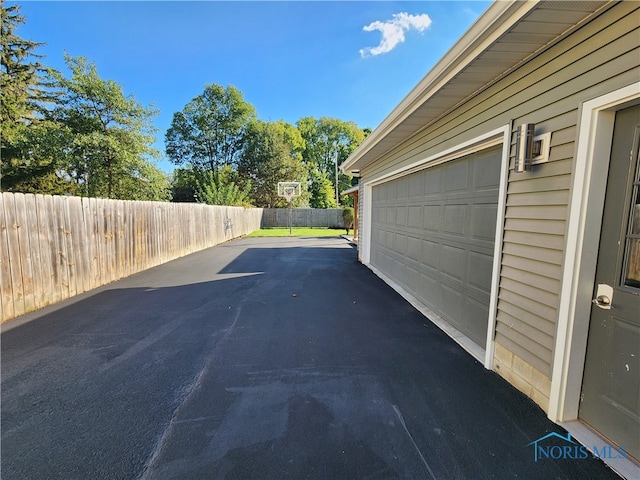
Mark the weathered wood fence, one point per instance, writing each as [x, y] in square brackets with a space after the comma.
[302, 217]
[54, 247]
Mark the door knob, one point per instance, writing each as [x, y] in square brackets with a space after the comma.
[604, 296]
[602, 301]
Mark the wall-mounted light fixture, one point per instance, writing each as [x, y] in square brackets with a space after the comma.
[524, 147]
[355, 173]
[531, 149]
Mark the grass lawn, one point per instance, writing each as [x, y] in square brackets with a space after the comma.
[298, 232]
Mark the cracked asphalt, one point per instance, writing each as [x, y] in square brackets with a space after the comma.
[277, 358]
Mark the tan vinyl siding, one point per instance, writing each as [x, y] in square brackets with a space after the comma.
[547, 90]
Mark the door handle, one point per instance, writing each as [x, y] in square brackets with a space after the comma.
[602, 301]
[604, 296]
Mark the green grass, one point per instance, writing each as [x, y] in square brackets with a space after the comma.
[298, 232]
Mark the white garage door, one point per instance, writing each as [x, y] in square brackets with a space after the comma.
[433, 233]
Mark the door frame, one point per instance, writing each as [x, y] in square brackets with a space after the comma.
[591, 167]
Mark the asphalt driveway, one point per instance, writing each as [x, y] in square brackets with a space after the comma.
[259, 358]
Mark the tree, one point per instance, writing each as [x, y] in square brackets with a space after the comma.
[209, 131]
[218, 188]
[272, 153]
[329, 142]
[321, 190]
[183, 185]
[25, 92]
[109, 136]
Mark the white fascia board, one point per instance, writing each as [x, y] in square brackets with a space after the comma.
[498, 19]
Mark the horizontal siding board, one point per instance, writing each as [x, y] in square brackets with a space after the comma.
[548, 184]
[550, 212]
[533, 251]
[566, 135]
[550, 227]
[546, 170]
[515, 346]
[554, 242]
[537, 281]
[533, 266]
[540, 199]
[517, 332]
[528, 303]
[541, 296]
[515, 314]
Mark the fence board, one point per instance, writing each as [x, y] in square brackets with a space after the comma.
[33, 252]
[44, 237]
[14, 253]
[78, 233]
[25, 250]
[6, 285]
[54, 247]
[70, 252]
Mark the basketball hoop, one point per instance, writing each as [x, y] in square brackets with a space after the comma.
[289, 190]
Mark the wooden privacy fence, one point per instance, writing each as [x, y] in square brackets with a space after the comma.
[54, 247]
[302, 217]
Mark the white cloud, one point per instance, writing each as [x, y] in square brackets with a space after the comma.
[393, 31]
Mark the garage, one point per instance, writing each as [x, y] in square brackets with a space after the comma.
[433, 234]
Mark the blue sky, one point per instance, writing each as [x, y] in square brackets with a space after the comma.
[289, 59]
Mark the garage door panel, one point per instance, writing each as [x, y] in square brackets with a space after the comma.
[400, 243]
[432, 181]
[451, 304]
[439, 236]
[455, 219]
[391, 216]
[413, 248]
[480, 266]
[403, 188]
[453, 262]
[415, 216]
[483, 222]
[484, 178]
[416, 186]
[401, 216]
[456, 176]
[474, 313]
[429, 291]
[431, 254]
[432, 219]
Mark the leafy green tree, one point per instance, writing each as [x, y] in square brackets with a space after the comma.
[209, 131]
[109, 136]
[329, 141]
[218, 188]
[272, 154]
[25, 93]
[183, 185]
[321, 190]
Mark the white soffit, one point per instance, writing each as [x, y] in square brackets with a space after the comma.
[505, 36]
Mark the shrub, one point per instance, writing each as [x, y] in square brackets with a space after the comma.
[347, 218]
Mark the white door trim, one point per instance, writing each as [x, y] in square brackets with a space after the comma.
[498, 136]
[588, 190]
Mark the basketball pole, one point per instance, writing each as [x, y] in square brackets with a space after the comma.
[290, 198]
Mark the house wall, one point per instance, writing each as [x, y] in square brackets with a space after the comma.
[548, 90]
